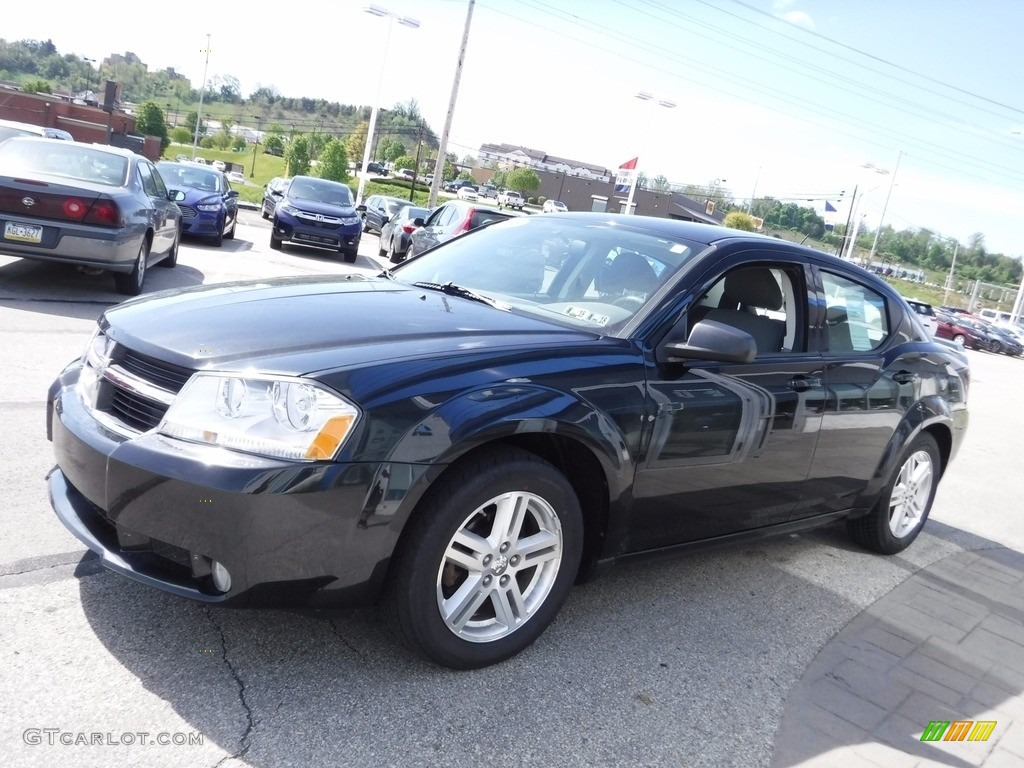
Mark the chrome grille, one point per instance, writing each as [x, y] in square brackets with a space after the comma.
[317, 220]
[141, 388]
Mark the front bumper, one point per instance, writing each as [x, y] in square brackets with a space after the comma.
[203, 224]
[161, 511]
[292, 229]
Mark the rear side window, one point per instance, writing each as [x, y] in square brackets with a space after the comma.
[857, 318]
[484, 217]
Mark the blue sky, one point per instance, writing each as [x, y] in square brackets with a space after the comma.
[793, 96]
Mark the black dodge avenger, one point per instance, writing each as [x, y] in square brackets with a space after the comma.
[465, 436]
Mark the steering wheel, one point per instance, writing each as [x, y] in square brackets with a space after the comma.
[631, 302]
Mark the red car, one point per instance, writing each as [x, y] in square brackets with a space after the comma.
[960, 329]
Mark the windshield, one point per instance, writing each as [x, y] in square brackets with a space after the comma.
[190, 175]
[588, 274]
[320, 191]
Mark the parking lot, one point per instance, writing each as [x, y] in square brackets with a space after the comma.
[694, 660]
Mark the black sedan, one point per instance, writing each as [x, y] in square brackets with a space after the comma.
[272, 193]
[396, 234]
[503, 427]
[380, 209]
[89, 205]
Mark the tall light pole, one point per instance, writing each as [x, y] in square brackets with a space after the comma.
[405, 21]
[88, 79]
[202, 92]
[952, 269]
[259, 122]
[753, 194]
[644, 96]
[892, 183]
[442, 146]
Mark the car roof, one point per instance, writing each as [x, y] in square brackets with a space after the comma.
[126, 153]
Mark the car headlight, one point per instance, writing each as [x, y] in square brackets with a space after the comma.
[350, 220]
[209, 204]
[95, 359]
[270, 416]
[289, 209]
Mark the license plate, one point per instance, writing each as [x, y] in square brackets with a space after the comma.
[25, 233]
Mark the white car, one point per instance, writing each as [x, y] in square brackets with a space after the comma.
[468, 193]
[219, 165]
[924, 313]
[236, 177]
[554, 206]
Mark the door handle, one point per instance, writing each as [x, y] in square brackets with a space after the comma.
[905, 377]
[803, 383]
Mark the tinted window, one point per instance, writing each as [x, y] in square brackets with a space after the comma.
[483, 216]
[857, 317]
[321, 191]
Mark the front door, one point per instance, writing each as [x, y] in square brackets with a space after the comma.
[730, 445]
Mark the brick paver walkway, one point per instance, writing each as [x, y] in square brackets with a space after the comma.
[946, 644]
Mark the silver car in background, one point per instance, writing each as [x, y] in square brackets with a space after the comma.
[89, 205]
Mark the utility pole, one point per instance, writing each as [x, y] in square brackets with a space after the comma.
[416, 170]
[849, 216]
[202, 92]
[259, 122]
[951, 278]
[443, 146]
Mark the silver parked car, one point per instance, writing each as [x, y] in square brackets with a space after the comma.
[85, 204]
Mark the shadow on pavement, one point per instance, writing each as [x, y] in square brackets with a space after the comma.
[689, 661]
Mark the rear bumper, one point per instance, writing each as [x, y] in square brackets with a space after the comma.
[104, 249]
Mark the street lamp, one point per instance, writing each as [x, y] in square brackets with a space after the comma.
[892, 183]
[644, 96]
[950, 278]
[259, 122]
[405, 21]
[855, 202]
[202, 92]
[88, 79]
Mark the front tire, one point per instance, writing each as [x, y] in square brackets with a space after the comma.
[903, 507]
[130, 284]
[960, 340]
[488, 560]
[275, 241]
[231, 232]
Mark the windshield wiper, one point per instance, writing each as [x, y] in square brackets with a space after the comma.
[387, 274]
[452, 289]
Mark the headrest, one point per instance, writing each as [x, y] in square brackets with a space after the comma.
[754, 287]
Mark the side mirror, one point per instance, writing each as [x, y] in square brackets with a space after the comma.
[418, 221]
[276, 192]
[711, 340]
[361, 208]
[384, 220]
[175, 195]
[232, 194]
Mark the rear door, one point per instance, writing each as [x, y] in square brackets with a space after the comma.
[165, 213]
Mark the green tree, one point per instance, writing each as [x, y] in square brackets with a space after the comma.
[150, 122]
[392, 150]
[405, 161]
[274, 145]
[296, 157]
[355, 144]
[181, 135]
[333, 162]
[238, 143]
[739, 220]
[37, 86]
[207, 142]
[190, 122]
[500, 179]
[661, 183]
[523, 180]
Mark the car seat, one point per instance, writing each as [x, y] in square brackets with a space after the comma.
[747, 289]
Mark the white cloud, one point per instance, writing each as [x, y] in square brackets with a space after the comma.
[799, 19]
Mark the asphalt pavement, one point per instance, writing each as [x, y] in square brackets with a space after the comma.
[799, 650]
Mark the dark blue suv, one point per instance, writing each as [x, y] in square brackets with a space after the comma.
[320, 213]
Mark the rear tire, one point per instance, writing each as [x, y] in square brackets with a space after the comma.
[487, 562]
[130, 284]
[903, 507]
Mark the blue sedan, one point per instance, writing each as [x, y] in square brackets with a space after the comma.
[92, 206]
[209, 207]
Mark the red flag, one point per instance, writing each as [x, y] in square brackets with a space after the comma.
[625, 177]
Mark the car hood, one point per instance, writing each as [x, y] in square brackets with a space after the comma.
[316, 206]
[302, 325]
[193, 195]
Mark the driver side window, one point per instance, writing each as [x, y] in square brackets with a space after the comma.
[760, 299]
